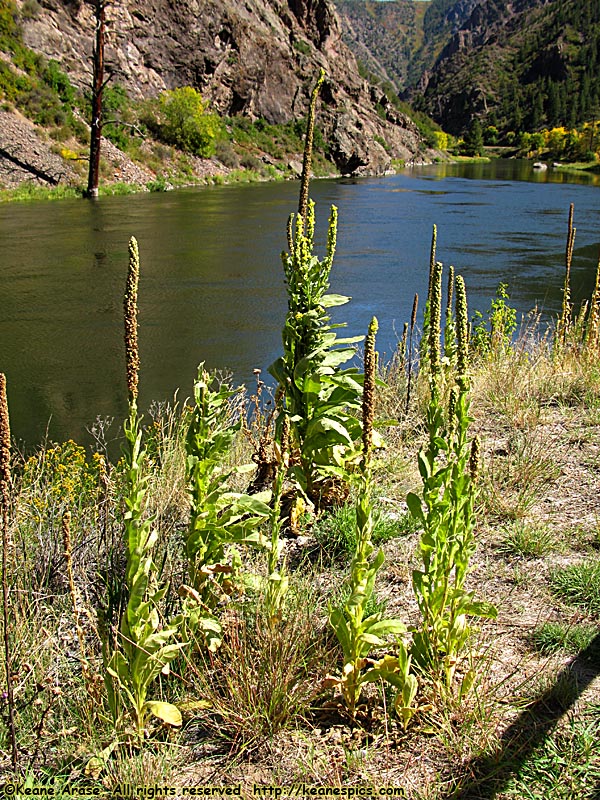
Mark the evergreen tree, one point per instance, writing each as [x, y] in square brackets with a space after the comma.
[473, 141]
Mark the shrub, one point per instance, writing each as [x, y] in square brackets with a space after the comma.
[59, 82]
[186, 123]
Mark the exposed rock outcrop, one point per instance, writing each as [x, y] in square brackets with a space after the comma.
[24, 156]
[258, 58]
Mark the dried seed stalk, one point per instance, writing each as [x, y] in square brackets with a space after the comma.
[6, 543]
[68, 548]
[565, 317]
[413, 322]
[368, 402]
[130, 309]
[308, 148]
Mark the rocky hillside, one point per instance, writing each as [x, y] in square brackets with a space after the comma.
[442, 19]
[399, 40]
[383, 36]
[518, 65]
[257, 59]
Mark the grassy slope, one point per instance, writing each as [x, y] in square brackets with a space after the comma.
[528, 723]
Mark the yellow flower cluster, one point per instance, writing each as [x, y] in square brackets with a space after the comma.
[61, 475]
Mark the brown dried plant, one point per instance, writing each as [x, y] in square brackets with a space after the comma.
[130, 309]
[6, 545]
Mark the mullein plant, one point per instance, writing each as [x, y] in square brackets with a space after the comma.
[445, 510]
[143, 646]
[219, 519]
[358, 632]
[7, 605]
[318, 397]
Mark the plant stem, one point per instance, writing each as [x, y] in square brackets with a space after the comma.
[308, 148]
[5, 499]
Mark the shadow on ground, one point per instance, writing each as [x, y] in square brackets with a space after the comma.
[490, 774]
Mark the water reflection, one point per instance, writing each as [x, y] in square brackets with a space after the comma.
[514, 169]
[212, 286]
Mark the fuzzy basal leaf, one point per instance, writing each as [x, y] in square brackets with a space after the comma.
[167, 712]
[332, 300]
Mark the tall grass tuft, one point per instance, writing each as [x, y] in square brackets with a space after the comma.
[266, 673]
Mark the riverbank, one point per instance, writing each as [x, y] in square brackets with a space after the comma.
[526, 720]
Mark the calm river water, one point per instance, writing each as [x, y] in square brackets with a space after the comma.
[212, 288]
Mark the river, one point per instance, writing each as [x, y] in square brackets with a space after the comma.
[212, 288]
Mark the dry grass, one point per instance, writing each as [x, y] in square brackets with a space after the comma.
[265, 718]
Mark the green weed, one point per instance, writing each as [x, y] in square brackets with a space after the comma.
[527, 540]
[566, 765]
[561, 637]
[579, 585]
[335, 531]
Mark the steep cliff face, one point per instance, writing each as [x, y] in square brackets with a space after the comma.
[258, 58]
[382, 36]
[517, 65]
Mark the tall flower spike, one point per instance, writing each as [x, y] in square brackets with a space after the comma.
[413, 316]
[450, 290]
[462, 333]
[452, 401]
[132, 354]
[4, 442]
[308, 146]
[435, 322]
[402, 346]
[368, 403]
[432, 261]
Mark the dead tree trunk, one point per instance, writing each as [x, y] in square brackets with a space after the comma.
[98, 84]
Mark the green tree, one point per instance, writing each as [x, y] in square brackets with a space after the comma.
[473, 142]
[187, 123]
[491, 135]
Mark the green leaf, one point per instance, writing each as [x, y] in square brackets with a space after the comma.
[331, 300]
[340, 626]
[252, 504]
[165, 711]
[386, 627]
[415, 507]
[328, 427]
[479, 608]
